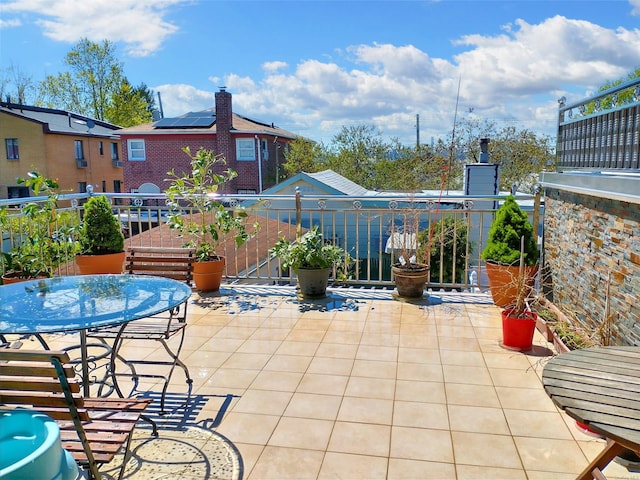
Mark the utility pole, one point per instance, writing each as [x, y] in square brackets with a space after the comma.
[417, 130]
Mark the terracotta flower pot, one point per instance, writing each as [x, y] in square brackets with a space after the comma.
[504, 290]
[410, 281]
[98, 264]
[207, 275]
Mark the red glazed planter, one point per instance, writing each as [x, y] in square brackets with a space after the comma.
[517, 333]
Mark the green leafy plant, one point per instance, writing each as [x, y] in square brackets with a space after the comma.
[206, 220]
[447, 245]
[43, 238]
[504, 239]
[101, 232]
[311, 251]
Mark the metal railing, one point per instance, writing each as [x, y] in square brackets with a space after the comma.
[371, 229]
[601, 132]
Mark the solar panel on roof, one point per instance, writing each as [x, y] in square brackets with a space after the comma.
[189, 120]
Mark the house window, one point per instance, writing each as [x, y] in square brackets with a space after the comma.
[136, 150]
[246, 191]
[82, 187]
[100, 148]
[79, 149]
[114, 151]
[245, 149]
[265, 149]
[11, 144]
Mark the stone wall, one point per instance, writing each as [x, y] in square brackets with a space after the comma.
[589, 243]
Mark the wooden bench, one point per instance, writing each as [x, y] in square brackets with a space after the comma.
[175, 263]
[93, 430]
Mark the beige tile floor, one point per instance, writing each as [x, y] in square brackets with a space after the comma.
[363, 386]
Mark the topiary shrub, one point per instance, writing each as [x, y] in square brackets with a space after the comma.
[503, 242]
[101, 232]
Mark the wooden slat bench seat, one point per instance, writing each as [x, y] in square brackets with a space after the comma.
[93, 430]
[170, 262]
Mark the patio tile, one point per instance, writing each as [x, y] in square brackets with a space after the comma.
[421, 444]
[413, 391]
[371, 387]
[323, 384]
[331, 366]
[403, 469]
[288, 363]
[527, 423]
[466, 375]
[344, 465]
[551, 455]
[421, 372]
[305, 433]
[487, 450]
[360, 438]
[278, 463]
[525, 399]
[419, 355]
[281, 381]
[465, 418]
[248, 427]
[263, 402]
[471, 472]
[310, 405]
[473, 395]
[421, 415]
[366, 410]
[374, 369]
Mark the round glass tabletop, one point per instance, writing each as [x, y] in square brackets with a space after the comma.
[79, 302]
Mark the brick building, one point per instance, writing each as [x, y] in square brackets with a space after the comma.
[76, 150]
[253, 149]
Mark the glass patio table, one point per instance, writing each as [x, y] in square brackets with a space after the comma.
[79, 303]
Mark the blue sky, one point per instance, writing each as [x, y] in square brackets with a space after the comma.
[312, 67]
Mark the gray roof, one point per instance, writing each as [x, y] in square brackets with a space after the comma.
[337, 181]
[61, 121]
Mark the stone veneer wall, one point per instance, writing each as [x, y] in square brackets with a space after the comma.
[587, 240]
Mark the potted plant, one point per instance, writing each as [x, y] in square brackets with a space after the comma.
[312, 259]
[43, 239]
[199, 216]
[506, 266]
[101, 239]
[518, 319]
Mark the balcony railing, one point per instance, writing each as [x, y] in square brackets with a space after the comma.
[365, 226]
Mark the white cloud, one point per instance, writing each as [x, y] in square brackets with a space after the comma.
[274, 66]
[9, 23]
[71, 20]
[635, 4]
[179, 98]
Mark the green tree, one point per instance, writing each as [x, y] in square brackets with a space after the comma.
[95, 75]
[521, 153]
[302, 155]
[621, 98]
[355, 150]
[128, 107]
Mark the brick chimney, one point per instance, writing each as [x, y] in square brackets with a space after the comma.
[224, 124]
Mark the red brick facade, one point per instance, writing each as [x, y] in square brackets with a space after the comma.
[163, 149]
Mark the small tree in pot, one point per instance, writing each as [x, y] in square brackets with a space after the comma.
[199, 216]
[101, 239]
[505, 252]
